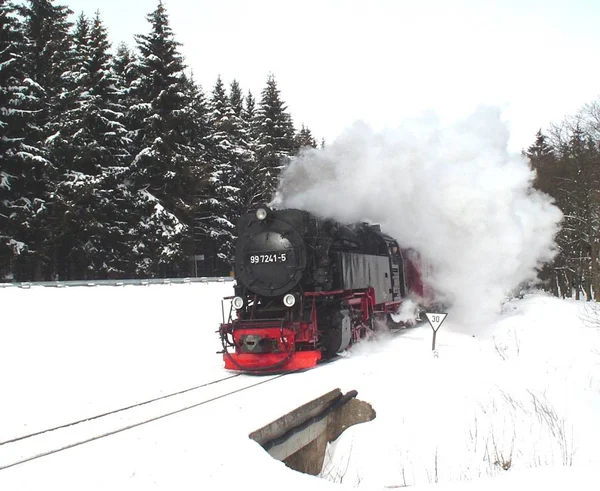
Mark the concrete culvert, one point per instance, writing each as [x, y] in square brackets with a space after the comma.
[300, 438]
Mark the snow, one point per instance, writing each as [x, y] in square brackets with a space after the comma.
[5, 179]
[523, 389]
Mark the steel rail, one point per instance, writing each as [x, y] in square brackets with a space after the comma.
[115, 411]
[139, 423]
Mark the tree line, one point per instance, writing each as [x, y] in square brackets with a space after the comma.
[119, 164]
[566, 159]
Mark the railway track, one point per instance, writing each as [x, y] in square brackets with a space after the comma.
[27, 447]
[48, 441]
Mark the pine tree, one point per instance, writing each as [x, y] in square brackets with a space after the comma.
[275, 138]
[246, 134]
[125, 68]
[43, 59]
[236, 98]
[166, 172]
[217, 203]
[81, 37]
[250, 119]
[569, 172]
[249, 109]
[248, 178]
[547, 167]
[579, 195]
[122, 62]
[91, 142]
[304, 138]
[199, 134]
[543, 161]
[19, 160]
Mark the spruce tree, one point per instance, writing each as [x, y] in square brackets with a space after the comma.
[275, 142]
[247, 178]
[217, 204]
[249, 116]
[547, 169]
[199, 134]
[20, 161]
[236, 99]
[81, 37]
[543, 161]
[304, 138]
[44, 58]
[579, 197]
[166, 172]
[121, 63]
[125, 68]
[91, 143]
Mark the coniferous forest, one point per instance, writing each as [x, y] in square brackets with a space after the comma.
[115, 163]
[566, 159]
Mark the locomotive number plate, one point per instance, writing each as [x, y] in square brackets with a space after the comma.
[269, 257]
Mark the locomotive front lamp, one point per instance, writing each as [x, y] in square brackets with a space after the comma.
[289, 300]
[238, 303]
[261, 213]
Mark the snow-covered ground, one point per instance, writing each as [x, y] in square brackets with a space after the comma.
[511, 404]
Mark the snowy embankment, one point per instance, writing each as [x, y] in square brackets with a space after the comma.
[518, 393]
[522, 392]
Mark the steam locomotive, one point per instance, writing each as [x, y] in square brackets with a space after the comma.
[307, 288]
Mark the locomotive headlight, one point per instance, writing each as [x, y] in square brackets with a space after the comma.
[289, 300]
[238, 303]
[261, 213]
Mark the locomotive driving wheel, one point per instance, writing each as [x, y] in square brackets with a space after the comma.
[336, 331]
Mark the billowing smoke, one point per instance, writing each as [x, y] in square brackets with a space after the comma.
[455, 194]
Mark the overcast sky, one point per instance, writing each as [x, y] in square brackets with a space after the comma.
[382, 61]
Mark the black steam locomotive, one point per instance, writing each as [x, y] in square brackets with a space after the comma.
[307, 288]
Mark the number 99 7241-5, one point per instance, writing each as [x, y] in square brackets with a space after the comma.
[280, 257]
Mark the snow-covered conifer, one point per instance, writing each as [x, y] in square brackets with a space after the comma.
[40, 55]
[165, 173]
[216, 204]
[275, 143]
[236, 98]
[92, 142]
[304, 138]
[19, 159]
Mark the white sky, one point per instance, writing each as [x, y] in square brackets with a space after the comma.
[382, 61]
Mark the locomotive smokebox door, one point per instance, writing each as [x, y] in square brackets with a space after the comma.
[271, 254]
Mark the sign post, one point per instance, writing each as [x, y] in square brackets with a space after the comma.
[435, 321]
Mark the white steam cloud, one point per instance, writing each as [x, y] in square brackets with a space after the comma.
[455, 194]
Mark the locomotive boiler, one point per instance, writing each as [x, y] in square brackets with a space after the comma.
[307, 288]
